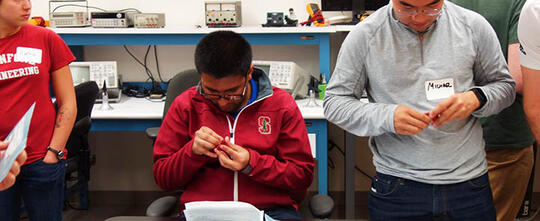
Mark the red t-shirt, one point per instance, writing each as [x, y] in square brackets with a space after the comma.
[27, 60]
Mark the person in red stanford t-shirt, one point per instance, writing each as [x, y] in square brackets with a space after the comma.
[31, 59]
[234, 137]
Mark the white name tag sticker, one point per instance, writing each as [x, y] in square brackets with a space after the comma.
[439, 89]
[28, 55]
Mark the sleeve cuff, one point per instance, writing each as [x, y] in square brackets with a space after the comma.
[390, 119]
[253, 159]
[247, 170]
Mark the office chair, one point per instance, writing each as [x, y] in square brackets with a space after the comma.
[80, 158]
[182, 81]
[320, 206]
[178, 84]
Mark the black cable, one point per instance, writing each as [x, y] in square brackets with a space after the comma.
[82, 6]
[145, 64]
[129, 9]
[157, 64]
[332, 145]
[138, 61]
[148, 91]
[331, 163]
[362, 172]
[101, 9]
[156, 88]
[133, 56]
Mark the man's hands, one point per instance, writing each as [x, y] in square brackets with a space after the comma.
[15, 168]
[209, 143]
[458, 106]
[232, 156]
[205, 141]
[408, 121]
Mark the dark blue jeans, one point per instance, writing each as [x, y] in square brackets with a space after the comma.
[283, 212]
[41, 187]
[394, 198]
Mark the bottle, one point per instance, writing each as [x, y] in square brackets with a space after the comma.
[322, 87]
[105, 106]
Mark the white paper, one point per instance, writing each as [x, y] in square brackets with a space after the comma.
[222, 211]
[439, 89]
[17, 142]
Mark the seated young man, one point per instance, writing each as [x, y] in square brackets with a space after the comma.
[234, 137]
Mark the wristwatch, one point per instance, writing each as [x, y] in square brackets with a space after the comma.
[59, 153]
[248, 169]
[481, 97]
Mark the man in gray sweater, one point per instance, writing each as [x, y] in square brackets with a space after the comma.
[430, 68]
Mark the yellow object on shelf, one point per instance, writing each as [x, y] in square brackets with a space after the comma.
[38, 21]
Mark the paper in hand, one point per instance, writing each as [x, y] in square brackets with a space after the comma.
[17, 142]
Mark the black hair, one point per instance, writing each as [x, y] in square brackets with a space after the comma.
[223, 53]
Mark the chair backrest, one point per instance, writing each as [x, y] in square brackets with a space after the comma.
[178, 84]
[86, 94]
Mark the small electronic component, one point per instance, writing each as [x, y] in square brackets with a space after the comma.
[112, 19]
[68, 19]
[223, 14]
[149, 20]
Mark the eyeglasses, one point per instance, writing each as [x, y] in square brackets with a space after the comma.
[414, 12]
[229, 97]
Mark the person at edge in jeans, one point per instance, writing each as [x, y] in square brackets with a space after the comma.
[34, 60]
[508, 138]
[430, 69]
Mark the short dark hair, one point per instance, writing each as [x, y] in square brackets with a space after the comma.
[223, 53]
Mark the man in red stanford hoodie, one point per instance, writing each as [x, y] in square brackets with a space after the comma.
[234, 136]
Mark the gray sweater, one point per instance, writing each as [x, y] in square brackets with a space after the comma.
[389, 61]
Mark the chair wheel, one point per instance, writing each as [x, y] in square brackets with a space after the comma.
[161, 207]
[321, 206]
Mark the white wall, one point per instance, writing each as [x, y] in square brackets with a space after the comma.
[173, 59]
